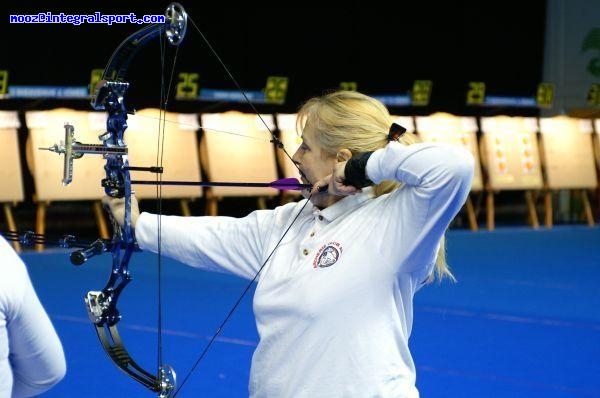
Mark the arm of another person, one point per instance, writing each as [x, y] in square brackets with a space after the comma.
[35, 351]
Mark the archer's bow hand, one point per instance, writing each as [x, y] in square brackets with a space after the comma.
[116, 209]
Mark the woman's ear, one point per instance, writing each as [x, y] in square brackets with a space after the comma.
[343, 155]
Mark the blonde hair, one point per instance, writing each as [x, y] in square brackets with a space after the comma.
[349, 119]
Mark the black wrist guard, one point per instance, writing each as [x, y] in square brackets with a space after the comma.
[355, 171]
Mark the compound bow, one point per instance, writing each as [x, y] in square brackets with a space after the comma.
[109, 95]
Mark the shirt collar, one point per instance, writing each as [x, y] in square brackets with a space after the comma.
[344, 205]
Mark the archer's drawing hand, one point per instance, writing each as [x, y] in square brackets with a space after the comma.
[336, 182]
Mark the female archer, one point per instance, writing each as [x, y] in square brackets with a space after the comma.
[337, 271]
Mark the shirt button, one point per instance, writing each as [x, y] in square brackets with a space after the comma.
[312, 233]
[305, 251]
[320, 218]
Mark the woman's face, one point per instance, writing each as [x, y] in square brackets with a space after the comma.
[314, 163]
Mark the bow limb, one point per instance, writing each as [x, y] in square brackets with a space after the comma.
[174, 29]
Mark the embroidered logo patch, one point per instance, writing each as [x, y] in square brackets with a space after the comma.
[327, 255]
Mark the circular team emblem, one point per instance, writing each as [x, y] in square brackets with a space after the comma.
[327, 255]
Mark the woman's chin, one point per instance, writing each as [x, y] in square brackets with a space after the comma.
[323, 199]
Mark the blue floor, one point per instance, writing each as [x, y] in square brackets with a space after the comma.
[523, 320]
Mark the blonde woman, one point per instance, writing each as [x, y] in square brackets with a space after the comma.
[333, 301]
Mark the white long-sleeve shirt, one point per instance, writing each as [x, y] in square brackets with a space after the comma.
[333, 305]
[31, 354]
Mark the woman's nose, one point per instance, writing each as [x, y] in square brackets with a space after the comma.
[296, 157]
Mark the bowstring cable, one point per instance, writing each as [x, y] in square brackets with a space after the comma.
[275, 139]
[279, 145]
[164, 94]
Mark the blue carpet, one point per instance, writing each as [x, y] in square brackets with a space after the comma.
[523, 320]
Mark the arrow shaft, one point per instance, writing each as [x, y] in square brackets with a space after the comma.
[279, 185]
